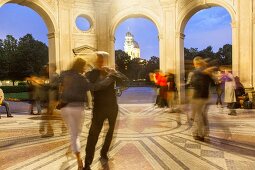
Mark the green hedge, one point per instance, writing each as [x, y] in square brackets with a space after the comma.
[14, 89]
[17, 96]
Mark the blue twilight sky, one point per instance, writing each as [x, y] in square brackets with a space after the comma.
[206, 27]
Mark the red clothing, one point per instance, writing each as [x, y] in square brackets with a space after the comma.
[162, 81]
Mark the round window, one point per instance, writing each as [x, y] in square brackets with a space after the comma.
[83, 23]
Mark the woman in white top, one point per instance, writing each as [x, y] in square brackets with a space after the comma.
[230, 86]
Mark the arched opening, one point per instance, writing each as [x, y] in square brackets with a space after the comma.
[208, 34]
[124, 15]
[43, 13]
[137, 55]
[24, 37]
[220, 45]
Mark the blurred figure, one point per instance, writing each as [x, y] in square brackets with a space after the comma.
[5, 104]
[171, 91]
[162, 82]
[47, 82]
[52, 89]
[35, 86]
[89, 105]
[200, 80]
[74, 87]
[105, 107]
[90, 100]
[41, 87]
[240, 93]
[230, 96]
[219, 88]
[189, 91]
[156, 81]
[31, 90]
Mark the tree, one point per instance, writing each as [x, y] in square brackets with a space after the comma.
[10, 49]
[3, 62]
[224, 54]
[142, 73]
[134, 68]
[152, 64]
[189, 54]
[22, 58]
[207, 52]
[33, 54]
[122, 60]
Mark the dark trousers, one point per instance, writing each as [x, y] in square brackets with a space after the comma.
[219, 92]
[163, 96]
[7, 107]
[96, 126]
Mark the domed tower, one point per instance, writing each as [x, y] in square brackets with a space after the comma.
[131, 47]
[136, 50]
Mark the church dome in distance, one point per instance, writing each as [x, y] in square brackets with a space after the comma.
[136, 44]
[128, 34]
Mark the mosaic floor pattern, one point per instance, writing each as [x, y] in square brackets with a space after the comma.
[146, 138]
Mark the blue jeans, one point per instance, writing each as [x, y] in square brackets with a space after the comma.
[7, 107]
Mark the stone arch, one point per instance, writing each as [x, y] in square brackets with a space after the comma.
[184, 15]
[130, 13]
[40, 8]
[133, 13]
[193, 8]
[46, 13]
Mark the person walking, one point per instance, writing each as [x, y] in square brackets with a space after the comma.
[200, 80]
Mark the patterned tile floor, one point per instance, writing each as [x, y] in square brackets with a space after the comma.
[146, 138]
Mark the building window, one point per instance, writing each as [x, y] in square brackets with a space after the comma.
[83, 23]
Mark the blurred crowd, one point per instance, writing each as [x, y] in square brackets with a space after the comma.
[200, 82]
[92, 86]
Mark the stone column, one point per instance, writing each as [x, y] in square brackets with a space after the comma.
[180, 73]
[112, 52]
[253, 43]
[235, 49]
[65, 36]
[161, 52]
[167, 38]
[245, 43]
[172, 47]
[102, 29]
[53, 46]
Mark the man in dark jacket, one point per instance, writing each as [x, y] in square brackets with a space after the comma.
[105, 107]
[200, 81]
